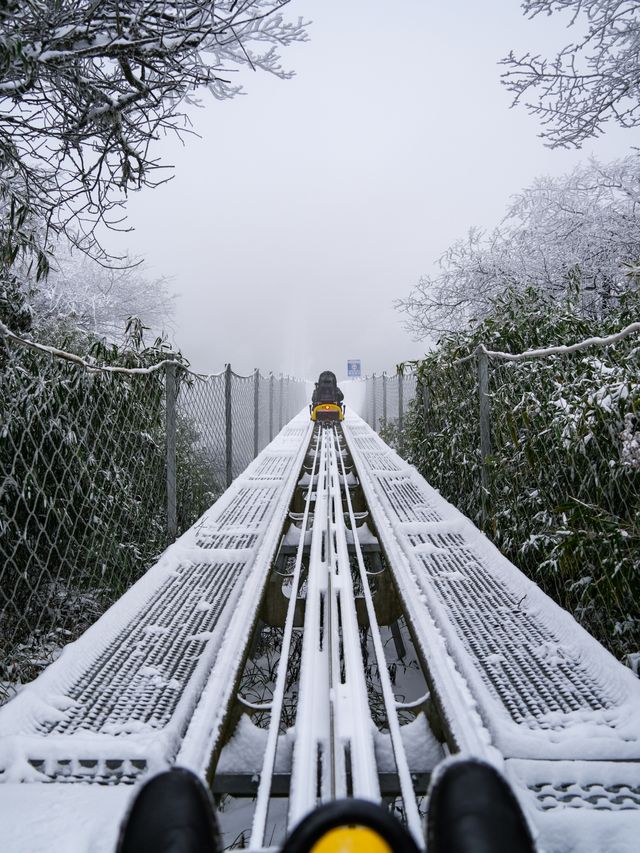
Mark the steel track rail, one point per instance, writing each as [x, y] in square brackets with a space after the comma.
[311, 777]
[334, 752]
[353, 725]
[268, 764]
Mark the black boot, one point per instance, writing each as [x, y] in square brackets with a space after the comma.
[172, 813]
[472, 809]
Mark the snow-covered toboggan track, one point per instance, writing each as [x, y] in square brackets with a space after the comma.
[517, 681]
[512, 678]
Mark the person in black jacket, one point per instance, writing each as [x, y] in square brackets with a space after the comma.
[326, 390]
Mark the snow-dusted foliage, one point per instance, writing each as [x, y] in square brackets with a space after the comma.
[578, 233]
[630, 437]
[593, 80]
[563, 495]
[87, 88]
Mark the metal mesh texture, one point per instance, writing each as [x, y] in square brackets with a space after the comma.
[234, 417]
[557, 487]
[242, 422]
[387, 401]
[85, 478]
[266, 431]
[200, 446]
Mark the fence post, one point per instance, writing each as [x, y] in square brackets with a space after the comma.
[171, 395]
[384, 396]
[401, 409]
[280, 424]
[485, 426]
[228, 425]
[271, 407]
[256, 411]
[424, 391]
[373, 397]
[289, 413]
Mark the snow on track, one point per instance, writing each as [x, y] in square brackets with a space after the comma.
[514, 677]
[519, 682]
[334, 729]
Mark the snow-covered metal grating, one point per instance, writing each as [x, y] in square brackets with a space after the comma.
[380, 461]
[271, 466]
[367, 441]
[406, 500]
[519, 683]
[138, 678]
[101, 772]
[235, 540]
[578, 787]
[522, 661]
[125, 698]
[594, 796]
[248, 507]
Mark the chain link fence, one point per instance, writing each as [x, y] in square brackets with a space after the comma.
[229, 419]
[99, 470]
[542, 452]
[387, 400]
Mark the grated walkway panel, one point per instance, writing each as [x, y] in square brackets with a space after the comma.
[122, 699]
[519, 682]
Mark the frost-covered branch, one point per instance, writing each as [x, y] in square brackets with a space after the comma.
[564, 349]
[86, 89]
[589, 82]
[72, 358]
[86, 296]
[577, 234]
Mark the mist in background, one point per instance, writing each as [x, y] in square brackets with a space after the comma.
[307, 207]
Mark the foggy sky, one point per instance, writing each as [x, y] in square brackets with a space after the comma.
[309, 205]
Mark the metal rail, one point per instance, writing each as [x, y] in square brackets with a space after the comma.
[268, 763]
[334, 753]
[412, 814]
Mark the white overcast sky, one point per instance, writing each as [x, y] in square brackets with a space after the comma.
[307, 206]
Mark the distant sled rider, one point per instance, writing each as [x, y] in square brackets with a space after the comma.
[326, 390]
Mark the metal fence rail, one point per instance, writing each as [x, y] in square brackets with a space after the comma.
[99, 471]
[542, 451]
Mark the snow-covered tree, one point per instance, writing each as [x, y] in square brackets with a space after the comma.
[579, 233]
[98, 300]
[589, 82]
[86, 88]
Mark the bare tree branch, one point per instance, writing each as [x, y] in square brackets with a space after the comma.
[590, 82]
[86, 88]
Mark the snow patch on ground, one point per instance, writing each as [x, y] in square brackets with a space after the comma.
[423, 750]
[244, 753]
[62, 818]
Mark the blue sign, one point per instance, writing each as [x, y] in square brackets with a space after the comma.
[354, 368]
